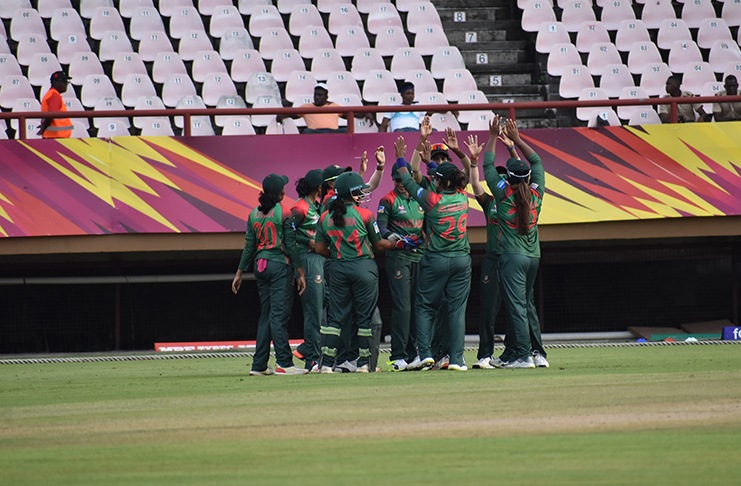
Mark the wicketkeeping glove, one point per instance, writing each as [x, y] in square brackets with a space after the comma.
[408, 243]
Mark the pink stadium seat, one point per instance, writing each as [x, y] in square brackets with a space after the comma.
[225, 19]
[227, 102]
[28, 46]
[444, 59]
[238, 126]
[87, 7]
[420, 15]
[562, 3]
[377, 83]
[287, 6]
[105, 19]
[153, 45]
[575, 12]
[156, 126]
[79, 130]
[273, 41]
[326, 61]
[429, 38]
[46, 8]
[712, 30]
[192, 43]
[405, 5]
[205, 63]
[265, 102]
[723, 52]
[350, 39]
[672, 30]
[683, 52]
[69, 45]
[423, 82]
[381, 16]
[615, 12]
[642, 53]
[246, 62]
[733, 68]
[430, 98]
[264, 19]
[26, 105]
[366, 6]
[456, 82]
[390, 39]
[145, 21]
[260, 84]
[234, 40]
[135, 86]
[562, 56]
[109, 103]
[82, 65]
[480, 121]
[285, 62]
[248, 7]
[127, 63]
[583, 113]
[216, 86]
[695, 11]
[299, 84]
[9, 66]
[731, 13]
[470, 97]
[146, 103]
[127, 7]
[551, 33]
[326, 6]
[441, 121]
[302, 16]
[364, 126]
[607, 115]
[630, 32]
[8, 7]
[26, 21]
[112, 43]
[210, 7]
[201, 127]
[343, 15]
[169, 8]
[96, 86]
[711, 88]
[190, 102]
[600, 56]
[4, 47]
[185, 20]
[644, 115]
[313, 38]
[590, 33]
[521, 4]
[630, 93]
[286, 127]
[656, 11]
[653, 78]
[406, 59]
[41, 68]
[573, 80]
[175, 87]
[614, 79]
[388, 99]
[341, 83]
[31, 131]
[363, 62]
[535, 13]
[113, 128]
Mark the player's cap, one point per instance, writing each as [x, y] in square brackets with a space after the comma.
[405, 87]
[322, 86]
[439, 149]
[274, 183]
[518, 168]
[331, 172]
[395, 171]
[314, 178]
[445, 170]
[349, 182]
[60, 76]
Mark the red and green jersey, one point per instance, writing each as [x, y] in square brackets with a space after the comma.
[305, 219]
[353, 241]
[446, 215]
[492, 222]
[404, 216]
[326, 201]
[270, 237]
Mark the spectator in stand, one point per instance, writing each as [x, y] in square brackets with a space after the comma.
[322, 122]
[685, 111]
[728, 111]
[403, 121]
[52, 101]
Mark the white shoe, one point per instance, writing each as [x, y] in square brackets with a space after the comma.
[539, 360]
[363, 369]
[455, 367]
[348, 366]
[326, 370]
[399, 365]
[520, 363]
[427, 364]
[267, 371]
[290, 370]
[315, 368]
[496, 362]
[415, 364]
[442, 363]
[483, 364]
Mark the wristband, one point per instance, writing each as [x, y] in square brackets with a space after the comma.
[401, 163]
[511, 148]
[431, 165]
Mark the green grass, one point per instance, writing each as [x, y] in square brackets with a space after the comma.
[598, 416]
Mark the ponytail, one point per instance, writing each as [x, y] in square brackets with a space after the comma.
[338, 208]
[267, 201]
[456, 182]
[522, 206]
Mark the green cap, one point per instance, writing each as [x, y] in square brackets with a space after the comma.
[333, 171]
[314, 178]
[445, 170]
[349, 182]
[395, 171]
[274, 183]
[518, 168]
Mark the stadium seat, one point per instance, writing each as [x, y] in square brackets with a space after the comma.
[192, 44]
[260, 84]
[189, 102]
[216, 86]
[265, 19]
[145, 21]
[286, 7]
[364, 61]
[712, 30]
[420, 15]
[31, 130]
[285, 62]
[156, 126]
[535, 13]
[74, 104]
[285, 127]
[66, 21]
[69, 45]
[441, 121]
[8, 7]
[265, 102]
[431, 98]
[238, 126]
[147, 103]
[562, 3]
[575, 12]
[95, 87]
[301, 16]
[299, 84]
[28, 46]
[377, 83]
[366, 6]
[168, 8]
[722, 52]
[109, 104]
[9, 66]
[656, 11]
[362, 125]
[234, 40]
[480, 121]
[325, 6]
[26, 105]
[607, 115]
[25, 22]
[341, 83]
[82, 65]
[326, 61]
[733, 68]
[630, 32]
[644, 115]
[695, 11]
[201, 127]
[112, 43]
[4, 47]
[711, 88]
[653, 78]
[79, 130]
[205, 63]
[467, 98]
[127, 63]
[246, 62]
[153, 45]
[127, 7]
[681, 53]
[642, 53]
[41, 68]
[183, 21]
[456, 82]
[583, 113]
[573, 80]
[350, 39]
[46, 8]
[406, 59]
[225, 19]
[672, 30]
[615, 12]
[248, 7]
[273, 41]
[731, 13]
[562, 56]
[227, 102]
[388, 40]
[105, 19]
[175, 87]
[423, 82]
[590, 33]
[343, 15]
[549, 34]
[113, 129]
[387, 99]
[313, 38]
[630, 93]
[165, 64]
[87, 7]
[444, 59]
[601, 55]
[135, 86]
[614, 78]
[211, 7]
[429, 38]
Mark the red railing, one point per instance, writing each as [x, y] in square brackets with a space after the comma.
[350, 111]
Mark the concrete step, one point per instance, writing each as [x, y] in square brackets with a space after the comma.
[510, 98]
[478, 16]
[456, 33]
[488, 57]
[506, 79]
[469, 4]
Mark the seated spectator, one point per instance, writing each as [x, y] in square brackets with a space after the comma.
[322, 122]
[728, 111]
[685, 111]
[403, 121]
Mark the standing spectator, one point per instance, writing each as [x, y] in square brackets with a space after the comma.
[685, 111]
[52, 101]
[322, 122]
[728, 111]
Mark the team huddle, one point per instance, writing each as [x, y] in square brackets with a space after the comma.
[324, 247]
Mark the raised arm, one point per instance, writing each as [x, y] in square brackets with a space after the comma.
[475, 149]
[510, 130]
[452, 142]
[377, 176]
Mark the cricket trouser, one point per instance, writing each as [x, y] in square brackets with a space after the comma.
[517, 274]
[402, 276]
[275, 287]
[449, 279]
[441, 332]
[312, 302]
[353, 293]
[491, 301]
[375, 341]
[535, 340]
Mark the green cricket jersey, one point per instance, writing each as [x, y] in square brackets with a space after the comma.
[492, 222]
[305, 219]
[353, 241]
[270, 237]
[404, 216]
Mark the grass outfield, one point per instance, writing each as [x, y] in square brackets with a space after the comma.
[599, 416]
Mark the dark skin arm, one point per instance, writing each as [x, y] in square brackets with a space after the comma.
[320, 248]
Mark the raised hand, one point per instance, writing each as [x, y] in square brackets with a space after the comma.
[400, 148]
[473, 146]
[380, 155]
[510, 130]
[450, 139]
[506, 141]
[495, 127]
[363, 163]
[426, 154]
[425, 128]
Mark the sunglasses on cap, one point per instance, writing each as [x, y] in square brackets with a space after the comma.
[439, 146]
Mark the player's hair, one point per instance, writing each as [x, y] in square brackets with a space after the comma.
[267, 201]
[456, 182]
[303, 188]
[522, 197]
[338, 208]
